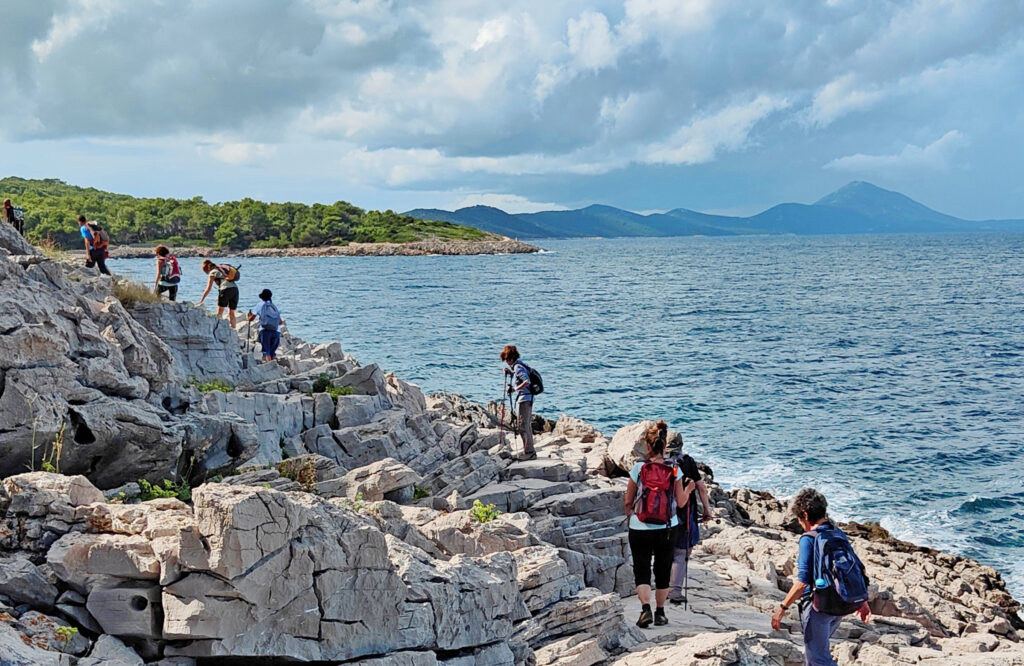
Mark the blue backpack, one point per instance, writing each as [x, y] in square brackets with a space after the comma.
[840, 582]
[270, 316]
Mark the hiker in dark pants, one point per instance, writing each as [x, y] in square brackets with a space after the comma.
[811, 510]
[270, 325]
[11, 217]
[654, 491]
[524, 398]
[227, 291]
[95, 248]
[688, 532]
[168, 273]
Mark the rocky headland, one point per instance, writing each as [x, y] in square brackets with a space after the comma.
[320, 510]
[412, 249]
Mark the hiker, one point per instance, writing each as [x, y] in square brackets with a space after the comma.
[688, 532]
[270, 325]
[520, 374]
[227, 290]
[168, 273]
[12, 216]
[96, 245]
[821, 607]
[654, 491]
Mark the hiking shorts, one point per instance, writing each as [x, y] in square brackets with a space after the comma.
[228, 298]
[656, 545]
[171, 289]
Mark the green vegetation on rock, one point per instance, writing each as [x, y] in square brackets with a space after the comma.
[51, 207]
[210, 385]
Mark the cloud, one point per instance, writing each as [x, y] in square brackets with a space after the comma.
[510, 203]
[840, 97]
[238, 153]
[936, 156]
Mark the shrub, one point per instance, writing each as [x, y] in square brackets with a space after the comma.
[322, 384]
[214, 384]
[165, 488]
[419, 493]
[303, 472]
[483, 513]
[130, 293]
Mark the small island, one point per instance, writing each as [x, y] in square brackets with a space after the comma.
[248, 227]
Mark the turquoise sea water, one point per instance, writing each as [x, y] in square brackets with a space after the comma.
[885, 370]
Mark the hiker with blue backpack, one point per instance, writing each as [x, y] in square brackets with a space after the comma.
[655, 489]
[688, 531]
[830, 582]
[270, 325]
[526, 383]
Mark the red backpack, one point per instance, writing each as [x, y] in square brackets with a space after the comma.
[655, 502]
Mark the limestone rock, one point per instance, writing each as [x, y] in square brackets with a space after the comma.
[627, 446]
[739, 648]
[110, 651]
[22, 582]
[18, 651]
[376, 480]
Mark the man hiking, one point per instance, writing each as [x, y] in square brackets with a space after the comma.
[13, 216]
[830, 579]
[270, 325]
[96, 245]
[654, 491]
[520, 383]
[688, 531]
[224, 277]
[168, 273]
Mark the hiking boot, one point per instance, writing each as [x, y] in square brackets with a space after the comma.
[528, 455]
[659, 617]
[645, 618]
[677, 601]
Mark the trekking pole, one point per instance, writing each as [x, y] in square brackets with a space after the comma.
[686, 581]
[501, 423]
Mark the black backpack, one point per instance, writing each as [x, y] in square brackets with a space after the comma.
[536, 381]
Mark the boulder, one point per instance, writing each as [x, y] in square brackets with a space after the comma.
[375, 481]
[23, 583]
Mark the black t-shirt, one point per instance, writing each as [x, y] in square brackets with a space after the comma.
[688, 467]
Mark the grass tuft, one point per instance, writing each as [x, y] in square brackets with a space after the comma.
[130, 293]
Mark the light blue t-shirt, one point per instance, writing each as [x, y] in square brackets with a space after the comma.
[634, 522]
[521, 375]
[86, 234]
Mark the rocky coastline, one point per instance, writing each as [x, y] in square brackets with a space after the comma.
[351, 525]
[413, 249]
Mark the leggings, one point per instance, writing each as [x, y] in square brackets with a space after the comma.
[659, 545]
[526, 425]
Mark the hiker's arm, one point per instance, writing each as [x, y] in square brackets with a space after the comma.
[209, 285]
[683, 491]
[795, 593]
[156, 280]
[630, 497]
[85, 239]
[703, 491]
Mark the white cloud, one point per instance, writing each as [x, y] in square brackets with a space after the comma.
[701, 140]
[591, 42]
[238, 153]
[937, 156]
[840, 97]
[510, 203]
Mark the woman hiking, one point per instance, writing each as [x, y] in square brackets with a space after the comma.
[811, 510]
[654, 491]
[227, 290]
[688, 531]
[524, 398]
[270, 325]
[11, 217]
[168, 273]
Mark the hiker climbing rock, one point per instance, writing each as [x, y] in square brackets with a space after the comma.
[96, 244]
[224, 276]
[270, 325]
[688, 531]
[526, 383]
[654, 491]
[168, 273]
[13, 216]
[830, 579]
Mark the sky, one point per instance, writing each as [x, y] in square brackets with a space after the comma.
[726, 106]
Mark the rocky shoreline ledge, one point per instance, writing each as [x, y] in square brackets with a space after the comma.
[413, 249]
[346, 525]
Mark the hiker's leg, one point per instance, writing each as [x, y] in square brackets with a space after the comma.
[664, 550]
[231, 317]
[220, 312]
[680, 562]
[99, 257]
[526, 425]
[172, 293]
[640, 548]
[818, 628]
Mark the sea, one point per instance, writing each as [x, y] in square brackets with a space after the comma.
[884, 370]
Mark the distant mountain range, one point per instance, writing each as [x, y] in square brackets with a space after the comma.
[856, 208]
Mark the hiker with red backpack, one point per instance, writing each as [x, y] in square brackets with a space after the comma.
[168, 273]
[654, 491]
[97, 242]
[224, 276]
[830, 582]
